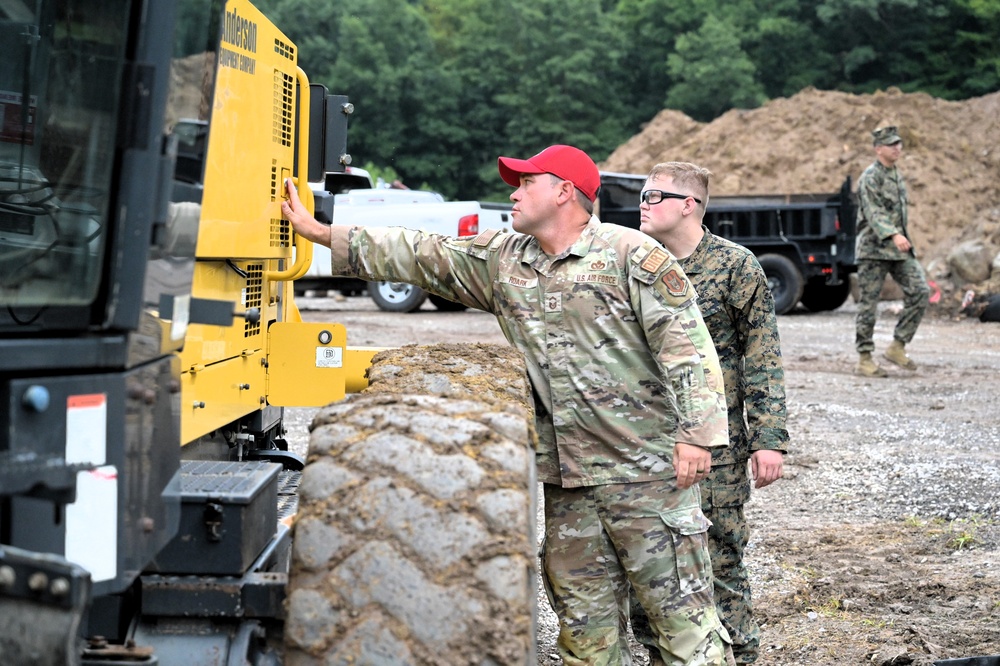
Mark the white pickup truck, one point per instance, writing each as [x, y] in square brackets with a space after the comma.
[413, 209]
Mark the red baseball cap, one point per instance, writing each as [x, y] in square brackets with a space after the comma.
[564, 162]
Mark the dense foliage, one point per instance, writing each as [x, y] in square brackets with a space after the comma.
[442, 87]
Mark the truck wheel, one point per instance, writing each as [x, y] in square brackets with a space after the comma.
[992, 310]
[414, 542]
[444, 305]
[396, 296]
[820, 297]
[784, 280]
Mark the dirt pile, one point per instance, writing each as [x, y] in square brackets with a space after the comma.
[812, 141]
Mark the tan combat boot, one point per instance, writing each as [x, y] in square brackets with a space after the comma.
[896, 353]
[869, 368]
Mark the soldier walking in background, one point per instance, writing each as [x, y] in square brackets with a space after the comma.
[739, 311]
[628, 393]
[884, 247]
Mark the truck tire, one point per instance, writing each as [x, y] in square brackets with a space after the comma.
[396, 296]
[414, 542]
[992, 310]
[444, 305]
[821, 297]
[784, 280]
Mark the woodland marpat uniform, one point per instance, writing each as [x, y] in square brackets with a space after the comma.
[883, 213]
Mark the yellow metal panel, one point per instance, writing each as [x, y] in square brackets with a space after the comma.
[306, 364]
[356, 363]
[215, 280]
[250, 142]
[213, 396]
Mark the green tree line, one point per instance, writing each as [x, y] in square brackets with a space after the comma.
[443, 87]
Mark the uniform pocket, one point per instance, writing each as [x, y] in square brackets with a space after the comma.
[692, 566]
[726, 495]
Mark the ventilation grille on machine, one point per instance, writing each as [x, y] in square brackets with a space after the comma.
[284, 50]
[282, 121]
[281, 234]
[284, 89]
[275, 185]
[253, 297]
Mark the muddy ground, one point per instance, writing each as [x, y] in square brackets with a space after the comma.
[882, 543]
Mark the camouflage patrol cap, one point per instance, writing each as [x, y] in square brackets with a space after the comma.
[886, 136]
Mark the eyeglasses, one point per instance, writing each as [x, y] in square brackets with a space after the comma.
[653, 197]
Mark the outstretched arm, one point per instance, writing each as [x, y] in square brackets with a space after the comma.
[302, 222]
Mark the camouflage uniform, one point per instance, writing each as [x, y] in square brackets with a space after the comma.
[882, 214]
[622, 367]
[739, 311]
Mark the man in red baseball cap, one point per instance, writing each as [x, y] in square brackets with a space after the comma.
[628, 389]
[565, 162]
[554, 199]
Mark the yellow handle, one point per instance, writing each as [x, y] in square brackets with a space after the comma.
[303, 247]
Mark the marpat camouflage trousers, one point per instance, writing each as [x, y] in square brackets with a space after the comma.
[911, 279]
[599, 541]
[723, 493]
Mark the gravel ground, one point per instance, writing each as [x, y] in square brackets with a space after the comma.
[910, 462]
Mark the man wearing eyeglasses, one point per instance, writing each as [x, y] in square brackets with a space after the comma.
[884, 248]
[739, 311]
[629, 399]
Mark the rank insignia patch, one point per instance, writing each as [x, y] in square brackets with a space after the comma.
[676, 285]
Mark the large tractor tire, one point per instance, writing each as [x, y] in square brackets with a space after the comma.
[415, 541]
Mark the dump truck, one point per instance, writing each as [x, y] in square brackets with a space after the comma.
[803, 241]
[150, 510]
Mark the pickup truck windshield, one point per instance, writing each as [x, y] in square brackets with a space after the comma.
[59, 102]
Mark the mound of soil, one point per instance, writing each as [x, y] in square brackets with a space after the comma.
[812, 141]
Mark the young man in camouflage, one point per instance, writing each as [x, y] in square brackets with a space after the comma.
[628, 395]
[739, 311]
[883, 247]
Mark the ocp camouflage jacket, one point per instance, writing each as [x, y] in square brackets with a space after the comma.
[620, 360]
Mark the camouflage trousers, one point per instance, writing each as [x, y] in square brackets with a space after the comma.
[601, 540]
[911, 279]
[724, 493]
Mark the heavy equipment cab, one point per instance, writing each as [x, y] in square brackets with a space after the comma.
[143, 323]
